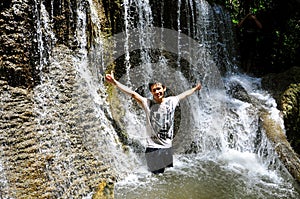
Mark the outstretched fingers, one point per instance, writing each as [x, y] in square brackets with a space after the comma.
[198, 86]
[110, 77]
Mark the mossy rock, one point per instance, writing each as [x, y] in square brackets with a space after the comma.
[104, 191]
[290, 105]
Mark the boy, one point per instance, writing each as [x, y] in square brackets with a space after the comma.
[160, 121]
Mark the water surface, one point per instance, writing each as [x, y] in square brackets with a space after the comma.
[233, 175]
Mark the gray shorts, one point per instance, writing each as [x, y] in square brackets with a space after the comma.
[159, 158]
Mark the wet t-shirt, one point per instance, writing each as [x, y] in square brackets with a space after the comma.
[160, 122]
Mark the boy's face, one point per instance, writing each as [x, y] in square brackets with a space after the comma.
[158, 91]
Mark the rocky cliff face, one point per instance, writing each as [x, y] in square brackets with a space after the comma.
[290, 106]
[45, 117]
[17, 55]
[285, 89]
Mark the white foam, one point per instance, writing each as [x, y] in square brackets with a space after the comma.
[247, 164]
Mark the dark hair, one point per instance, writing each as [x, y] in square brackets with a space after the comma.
[153, 83]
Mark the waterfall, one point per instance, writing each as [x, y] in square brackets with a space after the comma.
[75, 131]
[193, 63]
[83, 134]
[215, 125]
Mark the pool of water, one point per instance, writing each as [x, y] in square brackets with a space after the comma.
[193, 177]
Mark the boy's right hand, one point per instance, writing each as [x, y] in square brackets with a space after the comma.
[110, 78]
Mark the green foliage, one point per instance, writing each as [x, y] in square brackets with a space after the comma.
[290, 45]
[278, 43]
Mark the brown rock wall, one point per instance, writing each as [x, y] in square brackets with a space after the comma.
[44, 123]
[16, 66]
[284, 87]
[290, 106]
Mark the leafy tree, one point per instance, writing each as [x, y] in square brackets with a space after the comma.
[278, 42]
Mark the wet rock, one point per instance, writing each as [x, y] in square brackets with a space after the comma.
[283, 148]
[16, 43]
[46, 149]
[104, 191]
[290, 106]
[277, 83]
[284, 87]
[238, 91]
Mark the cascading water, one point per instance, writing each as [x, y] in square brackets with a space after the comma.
[221, 149]
[73, 123]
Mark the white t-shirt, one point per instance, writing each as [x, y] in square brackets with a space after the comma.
[160, 121]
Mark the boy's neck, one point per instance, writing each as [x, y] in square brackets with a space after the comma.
[160, 100]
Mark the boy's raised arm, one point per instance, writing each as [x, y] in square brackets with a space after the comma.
[189, 92]
[110, 78]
